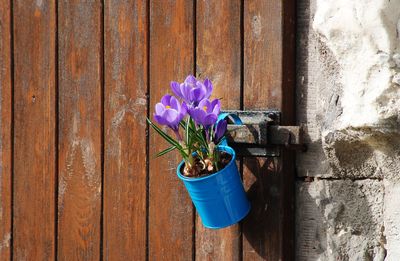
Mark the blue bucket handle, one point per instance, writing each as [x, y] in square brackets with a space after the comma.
[224, 116]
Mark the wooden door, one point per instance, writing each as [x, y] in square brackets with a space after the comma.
[78, 179]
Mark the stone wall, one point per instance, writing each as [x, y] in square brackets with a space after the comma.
[348, 82]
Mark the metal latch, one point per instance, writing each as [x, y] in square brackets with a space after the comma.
[261, 134]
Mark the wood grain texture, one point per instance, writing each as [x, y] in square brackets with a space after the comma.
[219, 59]
[5, 130]
[171, 58]
[125, 130]
[262, 54]
[218, 48]
[80, 129]
[142, 38]
[262, 238]
[34, 130]
[269, 68]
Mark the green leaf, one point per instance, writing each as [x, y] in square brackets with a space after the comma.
[203, 141]
[168, 138]
[195, 134]
[163, 134]
[161, 153]
[187, 134]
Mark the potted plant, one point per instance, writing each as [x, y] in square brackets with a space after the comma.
[208, 168]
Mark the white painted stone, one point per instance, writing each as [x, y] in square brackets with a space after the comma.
[396, 78]
[349, 102]
[362, 34]
[340, 220]
[392, 220]
[396, 59]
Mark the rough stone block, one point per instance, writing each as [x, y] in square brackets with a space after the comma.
[340, 220]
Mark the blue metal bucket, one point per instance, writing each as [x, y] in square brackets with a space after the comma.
[219, 198]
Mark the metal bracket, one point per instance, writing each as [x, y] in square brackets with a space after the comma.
[261, 134]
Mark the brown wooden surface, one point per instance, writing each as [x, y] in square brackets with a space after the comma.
[219, 48]
[125, 130]
[268, 83]
[78, 177]
[34, 130]
[219, 58]
[5, 131]
[262, 54]
[80, 130]
[171, 58]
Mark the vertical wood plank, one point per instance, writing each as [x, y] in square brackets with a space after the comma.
[34, 130]
[80, 129]
[219, 58]
[171, 58]
[218, 48]
[262, 54]
[269, 69]
[125, 130]
[5, 130]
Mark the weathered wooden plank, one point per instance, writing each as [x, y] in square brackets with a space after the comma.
[5, 130]
[171, 58]
[80, 130]
[125, 130]
[218, 48]
[34, 130]
[219, 58]
[268, 80]
[262, 54]
[222, 244]
[262, 228]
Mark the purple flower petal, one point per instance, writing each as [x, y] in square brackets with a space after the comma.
[198, 115]
[159, 119]
[160, 108]
[200, 85]
[185, 90]
[192, 91]
[209, 120]
[204, 104]
[220, 130]
[190, 79]
[165, 100]
[216, 106]
[197, 94]
[209, 88]
[184, 109]
[174, 103]
[170, 112]
[170, 115]
[176, 90]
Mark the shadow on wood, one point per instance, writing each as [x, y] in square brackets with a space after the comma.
[261, 227]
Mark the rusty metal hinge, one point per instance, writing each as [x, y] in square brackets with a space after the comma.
[261, 134]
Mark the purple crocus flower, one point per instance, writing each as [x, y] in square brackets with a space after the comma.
[206, 113]
[192, 91]
[220, 130]
[170, 112]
